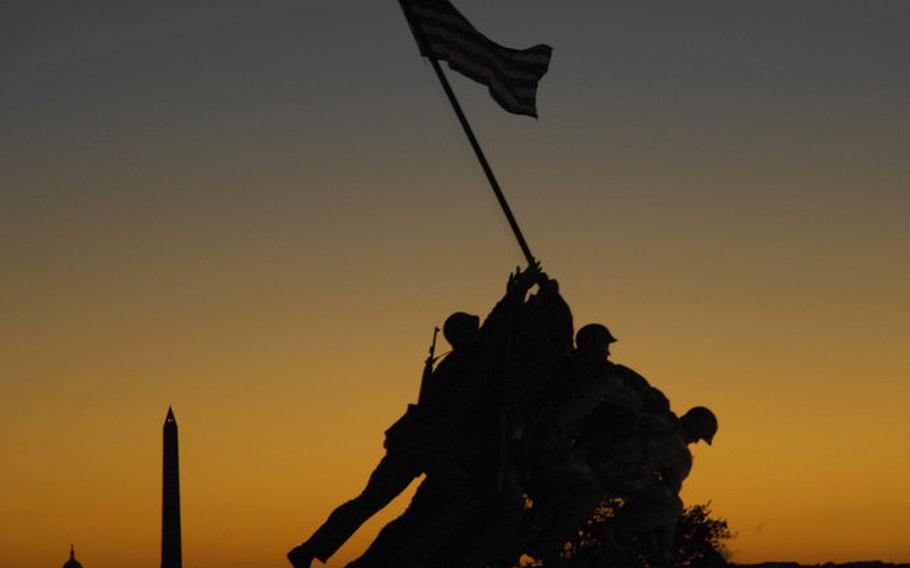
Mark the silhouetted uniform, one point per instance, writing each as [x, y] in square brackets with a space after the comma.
[542, 343]
[653, 400]
[413, 445]
[563, 487]
[652, 504]
[645, 466]
[401, 464]
[461, 448]
[610, 434]
[541, 338]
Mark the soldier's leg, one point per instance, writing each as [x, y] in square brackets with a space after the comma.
[421, 536]
[382, 553]
[391, 546]
[666, 533]
[652, 514]
[664, 537]
[392, 476]
[567, 497]
[486, 539]
[439, 514]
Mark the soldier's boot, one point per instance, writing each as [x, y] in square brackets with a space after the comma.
[302, 556]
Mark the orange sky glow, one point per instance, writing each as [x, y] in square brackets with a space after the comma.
[260, 226]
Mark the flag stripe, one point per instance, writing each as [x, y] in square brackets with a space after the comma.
[505, 95]
[511, 75]
[446, 39]
[476, 66]
[483, 57]
[531, 60]
[458, 24]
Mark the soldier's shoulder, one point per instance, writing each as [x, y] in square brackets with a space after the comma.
[631, 376]
[626, 370]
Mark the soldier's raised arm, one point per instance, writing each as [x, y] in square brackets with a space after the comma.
[517, 288]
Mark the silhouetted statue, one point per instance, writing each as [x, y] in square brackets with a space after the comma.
[654, 509]
[561, 485]
[462, 415]
[645, 469]
[540, 340]
[438, 436]
[522, 436]
[406, 444]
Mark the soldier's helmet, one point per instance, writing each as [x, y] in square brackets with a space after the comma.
[460, 329]
[700, 424]
[593, 337]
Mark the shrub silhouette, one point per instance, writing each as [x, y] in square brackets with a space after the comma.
[700, 542]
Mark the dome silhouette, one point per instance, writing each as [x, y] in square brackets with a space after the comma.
[72, 562]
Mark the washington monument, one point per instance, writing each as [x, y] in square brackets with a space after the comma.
[170, 497]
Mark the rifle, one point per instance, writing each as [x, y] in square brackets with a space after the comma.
[427, 369]
[402, 432]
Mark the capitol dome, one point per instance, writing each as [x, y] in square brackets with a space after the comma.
[72, 562]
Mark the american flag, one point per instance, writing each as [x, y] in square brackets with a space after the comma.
[511, 74]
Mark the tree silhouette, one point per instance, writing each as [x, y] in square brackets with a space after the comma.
[700, 539]
[699, 542]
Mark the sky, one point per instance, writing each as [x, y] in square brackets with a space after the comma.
[257, 212]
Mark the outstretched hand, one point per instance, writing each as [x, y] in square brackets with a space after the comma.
[521, 281]
[547, 285]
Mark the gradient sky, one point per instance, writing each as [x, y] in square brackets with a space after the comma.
[257, 212]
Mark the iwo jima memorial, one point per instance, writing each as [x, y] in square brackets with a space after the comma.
[537, 449]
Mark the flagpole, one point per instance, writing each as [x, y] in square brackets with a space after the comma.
[503, 418]
[469, 132]
[483, 161]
